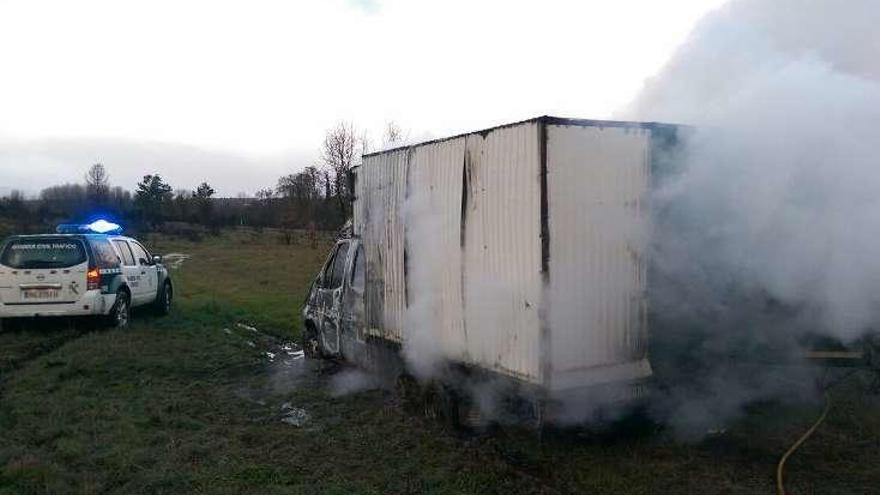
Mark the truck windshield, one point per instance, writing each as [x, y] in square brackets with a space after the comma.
[46, 252]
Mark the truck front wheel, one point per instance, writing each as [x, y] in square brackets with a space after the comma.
[311, 343]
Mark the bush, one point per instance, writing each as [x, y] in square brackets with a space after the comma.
[184, 230]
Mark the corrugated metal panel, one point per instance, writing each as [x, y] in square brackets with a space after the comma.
[380, 193]
[473, 258]
[434, 255]
[502, 254]
[598, 179]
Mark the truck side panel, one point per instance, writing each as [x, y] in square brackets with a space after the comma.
[434, 240]
[380, 194]
[598, 182]
[502, 251]
[461, 219]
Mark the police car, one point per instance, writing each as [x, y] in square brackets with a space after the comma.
[82, 270]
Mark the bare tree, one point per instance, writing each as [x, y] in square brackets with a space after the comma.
[98, 183]
[393, 136]
[265, 194]
[366, 143]
[340, 145]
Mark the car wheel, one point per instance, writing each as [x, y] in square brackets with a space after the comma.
[120, 314]
[163, 300]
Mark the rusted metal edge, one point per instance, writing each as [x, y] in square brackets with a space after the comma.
[545, 364]
[544, 119]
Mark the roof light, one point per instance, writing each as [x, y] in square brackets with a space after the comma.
[98, 227]
[103, 227]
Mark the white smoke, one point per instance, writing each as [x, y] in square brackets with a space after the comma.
[780, 173]
[423, 348]
[768, 227]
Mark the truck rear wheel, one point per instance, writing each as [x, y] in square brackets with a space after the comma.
[409, 392]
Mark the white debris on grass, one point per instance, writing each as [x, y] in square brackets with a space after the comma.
[294, 416]
[292, 351]
[174, 260]
[227, 331]
[251, 344]
[271, 356]
[247, 327]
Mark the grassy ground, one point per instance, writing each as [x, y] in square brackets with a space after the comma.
[191, 403]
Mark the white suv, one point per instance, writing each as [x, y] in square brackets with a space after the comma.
[80, 272]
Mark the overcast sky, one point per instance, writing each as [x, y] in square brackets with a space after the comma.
[240, 92]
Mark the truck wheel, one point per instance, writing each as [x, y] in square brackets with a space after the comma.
[311, 344]
[409, 393]
[120, 313]
[163, 300]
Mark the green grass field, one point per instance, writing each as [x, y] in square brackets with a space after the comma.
[191, 403]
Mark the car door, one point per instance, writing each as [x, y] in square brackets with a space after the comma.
[353, 321]
[330, 299]
[149, 272]
[130, 270]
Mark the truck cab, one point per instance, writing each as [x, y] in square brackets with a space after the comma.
[333, 315]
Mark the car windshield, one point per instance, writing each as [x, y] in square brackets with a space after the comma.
[48, 252]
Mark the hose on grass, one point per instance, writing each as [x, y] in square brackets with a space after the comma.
[780, 468]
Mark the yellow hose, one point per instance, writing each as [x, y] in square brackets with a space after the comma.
[780, 486]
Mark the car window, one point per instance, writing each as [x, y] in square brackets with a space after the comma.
[140, 253]
[125, 251]
[105, 256]
[48, 252]
[357, 276]
[338, 273]
[327, 273]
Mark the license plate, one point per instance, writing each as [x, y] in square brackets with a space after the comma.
[40, 294]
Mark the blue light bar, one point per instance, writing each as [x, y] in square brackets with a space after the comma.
[96, 227]
[104, 227]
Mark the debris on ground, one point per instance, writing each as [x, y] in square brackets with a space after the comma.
[292, 351]
[294, 416]
[174, 260]
[247, 327]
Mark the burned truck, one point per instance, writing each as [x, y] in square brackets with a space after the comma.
[513, 259]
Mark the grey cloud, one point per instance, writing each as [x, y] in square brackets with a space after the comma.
[32, 165]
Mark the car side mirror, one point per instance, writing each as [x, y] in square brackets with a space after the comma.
[157, 259]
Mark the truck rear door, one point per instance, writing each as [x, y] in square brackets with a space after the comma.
[43, 270]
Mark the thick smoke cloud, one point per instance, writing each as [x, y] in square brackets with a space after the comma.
[767, 227]
[781, 177]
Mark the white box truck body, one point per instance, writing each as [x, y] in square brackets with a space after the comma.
[519, 250]
[528, 242]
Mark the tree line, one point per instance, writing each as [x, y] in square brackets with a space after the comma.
[316, 198]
